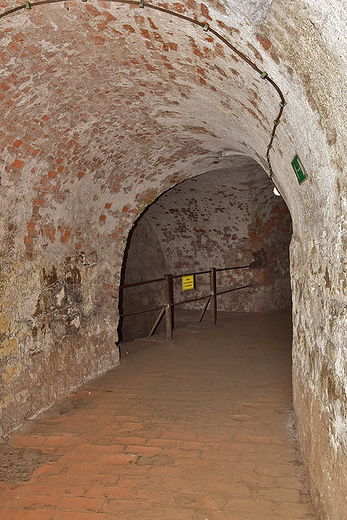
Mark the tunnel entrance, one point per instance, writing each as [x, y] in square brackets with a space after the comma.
[216, 219]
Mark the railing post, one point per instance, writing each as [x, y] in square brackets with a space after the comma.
[213, 287]
[169, 306]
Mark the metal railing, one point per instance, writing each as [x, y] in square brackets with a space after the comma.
[170, 304]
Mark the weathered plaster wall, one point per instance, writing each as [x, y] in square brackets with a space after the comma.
[143, 260]
[309, 40]
[319, 375]
[51, 338]
[106, 106]
[217, 219]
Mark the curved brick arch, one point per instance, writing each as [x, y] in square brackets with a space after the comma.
[80, 145]
[102, 109]
[223, 218]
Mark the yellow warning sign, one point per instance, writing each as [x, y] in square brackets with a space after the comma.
[188, 282]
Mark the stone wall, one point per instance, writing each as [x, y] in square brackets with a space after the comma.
[308, 40]
[319, 374]
[56, 331]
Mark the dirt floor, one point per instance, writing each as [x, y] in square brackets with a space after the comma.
[199, 428]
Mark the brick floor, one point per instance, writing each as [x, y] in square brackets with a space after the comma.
[199, 428]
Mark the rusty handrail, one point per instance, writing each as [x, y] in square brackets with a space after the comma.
[209, 295]
[142, 312]
[195, 273]
[185, 301]
[170, 304]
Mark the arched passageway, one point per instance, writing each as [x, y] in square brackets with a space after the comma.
[219, 219]
[105, 106]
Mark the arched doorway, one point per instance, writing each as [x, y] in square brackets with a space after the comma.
[217, 219]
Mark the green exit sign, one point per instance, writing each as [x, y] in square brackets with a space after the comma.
[300, 172]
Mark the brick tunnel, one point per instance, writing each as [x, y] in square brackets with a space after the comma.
[226, 218]
[107, 105]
